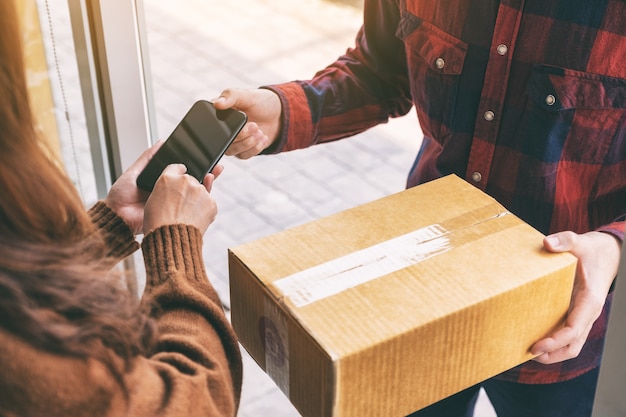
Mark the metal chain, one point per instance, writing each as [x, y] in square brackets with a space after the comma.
[64, 98]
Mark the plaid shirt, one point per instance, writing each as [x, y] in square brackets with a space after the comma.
[525, 99]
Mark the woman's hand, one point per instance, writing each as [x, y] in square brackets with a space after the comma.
[128, 201]
[178, 198]
[125, 198]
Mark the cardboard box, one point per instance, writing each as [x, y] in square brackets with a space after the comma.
[388, 307]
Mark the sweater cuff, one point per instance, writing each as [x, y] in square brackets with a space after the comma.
[119, 238]
[173, 248]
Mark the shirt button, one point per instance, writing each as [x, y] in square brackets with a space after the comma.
[477, 176]
[502, 49]
[550, 100]
[489, 115]
[440, 63]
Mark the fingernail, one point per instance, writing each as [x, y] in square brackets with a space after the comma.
[553, 241]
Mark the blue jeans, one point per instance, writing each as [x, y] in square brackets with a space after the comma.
[573, 398]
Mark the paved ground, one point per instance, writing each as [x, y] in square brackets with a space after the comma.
[198, 48]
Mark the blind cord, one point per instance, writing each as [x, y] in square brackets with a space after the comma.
[64, 99]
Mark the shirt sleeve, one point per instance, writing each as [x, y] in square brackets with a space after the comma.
[362, 88]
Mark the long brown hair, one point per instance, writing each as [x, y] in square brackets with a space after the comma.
[56, 286]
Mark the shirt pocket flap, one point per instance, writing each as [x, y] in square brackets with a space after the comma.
[441, 51]
[555, 89]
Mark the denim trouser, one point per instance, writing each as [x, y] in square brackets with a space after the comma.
[573, 398]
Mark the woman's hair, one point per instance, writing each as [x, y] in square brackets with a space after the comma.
[57, 290]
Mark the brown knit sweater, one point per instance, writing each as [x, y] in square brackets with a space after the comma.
[196, 369]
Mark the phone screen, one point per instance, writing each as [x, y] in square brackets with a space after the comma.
[199, 141]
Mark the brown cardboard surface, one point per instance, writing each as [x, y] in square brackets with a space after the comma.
[458, 312]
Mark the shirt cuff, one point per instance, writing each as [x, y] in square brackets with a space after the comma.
[297, 126]
[616, 229]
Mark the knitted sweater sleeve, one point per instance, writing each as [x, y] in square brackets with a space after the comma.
[119, 238]
[196, 367]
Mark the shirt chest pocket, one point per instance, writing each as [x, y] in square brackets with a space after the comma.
[585, 113]
[435, 61]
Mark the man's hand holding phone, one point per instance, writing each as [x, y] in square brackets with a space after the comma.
[264, 111]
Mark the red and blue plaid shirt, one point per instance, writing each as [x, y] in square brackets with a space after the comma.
[524, 99]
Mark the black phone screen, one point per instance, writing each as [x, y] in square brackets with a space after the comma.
[198, 142]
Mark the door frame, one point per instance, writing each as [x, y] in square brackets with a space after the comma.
[113, 64]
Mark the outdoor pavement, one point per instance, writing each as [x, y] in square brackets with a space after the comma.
[198, 48]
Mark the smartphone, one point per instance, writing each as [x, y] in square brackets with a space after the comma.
[198, 142]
